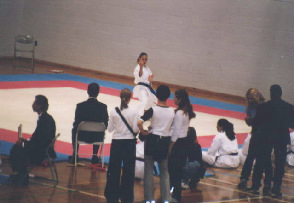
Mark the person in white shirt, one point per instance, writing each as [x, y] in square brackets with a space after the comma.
[143, 80]
[223, 151]
[290, 153]
[243, 152]
[157, 144]
[122, 153]
[179, 143]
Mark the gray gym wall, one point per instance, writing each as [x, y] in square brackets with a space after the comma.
[224, 46]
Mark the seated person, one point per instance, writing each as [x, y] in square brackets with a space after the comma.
[223, 151]
[90, 110]
[290, 153]
[243, 152]
[33, 150]
[193, 169]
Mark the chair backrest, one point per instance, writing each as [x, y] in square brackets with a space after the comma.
[50, 149]
[90, 132]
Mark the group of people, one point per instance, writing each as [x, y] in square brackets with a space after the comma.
[167, 138]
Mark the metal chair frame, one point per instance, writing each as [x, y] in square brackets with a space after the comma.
[51, 163]
[24, 44]
[89, 126]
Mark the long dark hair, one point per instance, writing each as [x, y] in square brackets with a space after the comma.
[185, 104]
[141, 54]
[227, 127]
[125, 96]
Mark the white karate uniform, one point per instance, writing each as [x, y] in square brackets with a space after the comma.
[243, 152]
[139, 167]
[222, 147]
[146, 98]
[290, 156]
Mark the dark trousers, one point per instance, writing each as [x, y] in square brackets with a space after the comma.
[280, 151]
[123, 152]
[247, 167]
[95, 147]
[176, 163]
[263, 163]
[18, 159]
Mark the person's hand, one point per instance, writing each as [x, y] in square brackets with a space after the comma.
[145, 132]
[151, 78]
[20, 141]
[141, 63]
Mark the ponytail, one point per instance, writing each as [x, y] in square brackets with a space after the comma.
[185, 103]
[125, 96]
[228, 128]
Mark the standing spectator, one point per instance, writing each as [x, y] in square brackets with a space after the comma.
[90, 110]
[274, 118]
[179, 145]
[123, 123]
[253, 99]
[157, 144]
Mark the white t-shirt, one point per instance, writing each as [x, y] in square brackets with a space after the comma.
[161, 120]
[119, 128]
[223, 145]
[180, 125]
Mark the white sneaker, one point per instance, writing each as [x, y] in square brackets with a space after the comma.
[184, 186]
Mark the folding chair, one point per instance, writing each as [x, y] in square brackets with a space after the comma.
[49, 161]
[89, 132]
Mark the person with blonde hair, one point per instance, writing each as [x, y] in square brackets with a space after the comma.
[253, 99]
[123, 124]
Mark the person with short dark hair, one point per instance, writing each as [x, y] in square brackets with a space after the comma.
[33, 150]
[157, 144]
[90, 110]
[274, 118]
[223, 151]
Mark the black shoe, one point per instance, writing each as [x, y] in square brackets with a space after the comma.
[242, 185]
[95, 160]
[267, 190]
[254, 190]
[20, 179]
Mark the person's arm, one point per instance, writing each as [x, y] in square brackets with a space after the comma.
[147, 115]
[105, 116]
[215, 145]
[110, 127]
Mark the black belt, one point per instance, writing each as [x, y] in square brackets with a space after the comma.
[146, 85]
[231, 154]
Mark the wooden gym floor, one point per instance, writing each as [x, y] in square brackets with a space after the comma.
[83, 184]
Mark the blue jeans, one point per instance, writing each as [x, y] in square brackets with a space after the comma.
[191, 171]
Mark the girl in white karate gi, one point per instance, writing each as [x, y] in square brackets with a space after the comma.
[223, 151]
[290, 155]
[143, 80]
[243, 152]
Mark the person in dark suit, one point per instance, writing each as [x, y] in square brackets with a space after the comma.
[90, 110]
[33, 150]
[274, 118]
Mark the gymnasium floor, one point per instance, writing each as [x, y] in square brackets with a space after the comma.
[80, 184]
